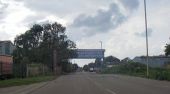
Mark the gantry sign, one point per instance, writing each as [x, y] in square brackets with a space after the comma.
[90, 53]
[81, 54]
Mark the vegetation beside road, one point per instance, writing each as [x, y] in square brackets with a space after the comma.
[25, 81]
[44, 44]
[128, 67]
[137, 69]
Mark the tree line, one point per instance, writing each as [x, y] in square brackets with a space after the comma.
[37, 45]
[102, 64]
[167, 49]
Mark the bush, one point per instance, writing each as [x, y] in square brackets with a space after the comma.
[137, 69]
[130, 68]
[159, 74]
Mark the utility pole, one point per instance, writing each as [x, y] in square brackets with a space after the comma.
[54, 62]
[100, 44]
[101, 49]
[146, 28]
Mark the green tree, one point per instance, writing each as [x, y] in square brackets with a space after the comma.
[111, 59]
[38, 44]
[98, 62]
[85, 67]
[167, 49]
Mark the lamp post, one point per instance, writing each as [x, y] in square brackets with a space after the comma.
[100, 44]
[146, 29]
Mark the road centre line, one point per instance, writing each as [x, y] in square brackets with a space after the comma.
[100, 86]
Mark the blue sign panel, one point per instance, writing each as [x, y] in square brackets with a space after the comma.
[90, 53]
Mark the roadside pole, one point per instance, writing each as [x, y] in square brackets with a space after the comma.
[54, 62]
[146, 29]
[101, 44]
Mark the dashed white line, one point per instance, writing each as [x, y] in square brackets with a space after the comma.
[110, 91]
[100, 86]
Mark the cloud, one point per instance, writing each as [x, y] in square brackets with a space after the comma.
[33, 18]
[130, 4]
[3, 7]
[104, 20]
[5, 36]
[63, 7]
[143, 34]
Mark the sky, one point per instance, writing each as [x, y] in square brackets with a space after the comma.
[119, 24]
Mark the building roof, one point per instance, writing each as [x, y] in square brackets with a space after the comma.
[6, 41]
[160, 56]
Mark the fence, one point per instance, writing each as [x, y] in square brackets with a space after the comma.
[28, 70]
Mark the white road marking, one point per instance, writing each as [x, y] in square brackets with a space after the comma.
[100, 86]
[110, 91]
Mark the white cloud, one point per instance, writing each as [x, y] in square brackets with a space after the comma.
[105, 19]
[11, 22]
[16, 16]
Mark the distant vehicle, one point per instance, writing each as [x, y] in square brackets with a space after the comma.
[6, 63]
[91, 70]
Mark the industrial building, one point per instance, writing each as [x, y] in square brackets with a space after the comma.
[154, 61]
[6, 48]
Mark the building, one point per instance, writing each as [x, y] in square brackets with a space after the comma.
[6, 48]
[154, 61]
[111, 61]
[126, 60]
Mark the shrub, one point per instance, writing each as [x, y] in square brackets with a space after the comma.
[137, 69]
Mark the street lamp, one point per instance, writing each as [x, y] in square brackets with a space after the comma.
[100, 44]
[101, 58]
[146, 28]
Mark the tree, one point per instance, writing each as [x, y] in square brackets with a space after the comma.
[85, 67]
[26, 44]
[98, 62]
[167, 49]
[75, 67]
[111, 59]
[39, 42]
[126, 60]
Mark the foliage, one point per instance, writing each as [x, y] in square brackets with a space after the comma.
[111, 59]
[130, 68]
[69, 67]
[167, 49]
[159, 74]
[25, 81]
[107, 60]
[137, 69]
[86, 68]
[91, 65]
[38, 44]
[97, 62]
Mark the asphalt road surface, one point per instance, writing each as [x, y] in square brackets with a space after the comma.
[92, 83]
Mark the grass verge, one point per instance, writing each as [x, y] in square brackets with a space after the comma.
[139, 70]
[25, 81]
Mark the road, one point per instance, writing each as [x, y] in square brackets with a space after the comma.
[92, 83]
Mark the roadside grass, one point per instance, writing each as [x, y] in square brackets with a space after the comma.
[159, 74]
[25, 81]
[139, 70]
